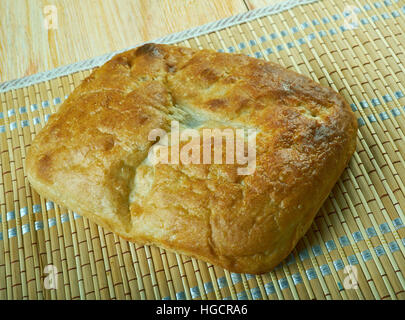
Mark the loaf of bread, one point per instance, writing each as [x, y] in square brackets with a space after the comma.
[93, 155]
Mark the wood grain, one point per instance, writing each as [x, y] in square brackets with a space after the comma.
[87, 28]
[254, 4]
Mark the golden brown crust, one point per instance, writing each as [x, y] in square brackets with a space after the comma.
[90, 157]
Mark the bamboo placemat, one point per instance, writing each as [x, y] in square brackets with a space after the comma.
[357, 48]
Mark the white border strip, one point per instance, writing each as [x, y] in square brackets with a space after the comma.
[171, 38]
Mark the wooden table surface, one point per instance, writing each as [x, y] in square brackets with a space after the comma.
[38, 35]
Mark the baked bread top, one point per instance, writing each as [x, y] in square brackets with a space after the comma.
[92, 155]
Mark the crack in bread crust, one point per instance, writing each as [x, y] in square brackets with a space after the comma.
[92, 155]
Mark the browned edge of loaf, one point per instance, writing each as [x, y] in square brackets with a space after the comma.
[323, 135]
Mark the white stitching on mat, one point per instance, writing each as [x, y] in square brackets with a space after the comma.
[171, 38]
